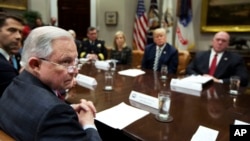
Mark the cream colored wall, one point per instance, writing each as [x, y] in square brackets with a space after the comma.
[42, 6]
[125, 9]
[126, 13]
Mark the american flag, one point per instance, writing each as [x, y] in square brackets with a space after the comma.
[140, 26]
[184, 39]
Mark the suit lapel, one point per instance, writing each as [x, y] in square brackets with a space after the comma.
[164, 55]
[206, 61]
[222, 64]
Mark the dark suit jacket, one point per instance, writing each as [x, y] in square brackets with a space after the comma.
[169, 57]
[97, 48]
[30, 111]
[7, 73]
[229, 65]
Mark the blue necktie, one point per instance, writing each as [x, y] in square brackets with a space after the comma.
[14, 62]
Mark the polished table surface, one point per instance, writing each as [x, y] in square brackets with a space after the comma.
[189, 112]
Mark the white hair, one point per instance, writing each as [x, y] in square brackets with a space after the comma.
[38, 43]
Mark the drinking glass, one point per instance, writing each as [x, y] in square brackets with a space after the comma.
[112, 64]
[108, 81]
[164, 71]
[164, 100]
[234, 85]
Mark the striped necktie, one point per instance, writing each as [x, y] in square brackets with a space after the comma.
[157, 56]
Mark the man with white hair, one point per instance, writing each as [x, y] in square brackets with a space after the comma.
[30, 109]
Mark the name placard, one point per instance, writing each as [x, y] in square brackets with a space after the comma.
[144, 99]
[86, 81]
[102, 65]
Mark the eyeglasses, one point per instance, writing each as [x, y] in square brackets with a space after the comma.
[70, 68]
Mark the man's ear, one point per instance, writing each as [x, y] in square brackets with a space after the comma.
[35, 63]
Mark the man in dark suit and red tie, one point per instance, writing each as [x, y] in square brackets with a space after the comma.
[10, 42]
[160, 53]
[218, 62]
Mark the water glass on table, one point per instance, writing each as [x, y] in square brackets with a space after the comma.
[164, 99]
[108, 80]
[234, 85]
[164, 71]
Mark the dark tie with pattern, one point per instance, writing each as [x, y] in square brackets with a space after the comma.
[157, 56]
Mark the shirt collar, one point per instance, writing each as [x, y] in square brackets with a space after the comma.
[218, 54]
[161, 47]
[5, 54]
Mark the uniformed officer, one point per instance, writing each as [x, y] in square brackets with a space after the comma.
[93, 48]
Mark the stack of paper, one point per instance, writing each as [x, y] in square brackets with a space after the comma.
[198, 79]
[131, 72]
[191, 85]
[86, 81]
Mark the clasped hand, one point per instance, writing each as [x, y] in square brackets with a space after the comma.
[92, 57]
[86, 112]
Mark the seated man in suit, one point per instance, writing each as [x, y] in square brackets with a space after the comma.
[10, 42]
[30, 108]
[160, 53]
[92, 48]
[226, 64]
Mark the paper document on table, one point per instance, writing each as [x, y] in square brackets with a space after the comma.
[205, 134]
[131, 72]
[238, 122]
[120, 116]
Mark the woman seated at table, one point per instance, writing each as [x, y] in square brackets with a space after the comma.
[121, 52]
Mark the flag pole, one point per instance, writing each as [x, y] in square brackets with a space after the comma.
[160, 9]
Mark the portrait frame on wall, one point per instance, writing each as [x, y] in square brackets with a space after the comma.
[14, 4]
[225, 15]
[111, 17]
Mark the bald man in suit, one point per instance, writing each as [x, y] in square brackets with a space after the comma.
[227, 64]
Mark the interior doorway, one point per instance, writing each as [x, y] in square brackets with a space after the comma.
[74, 15]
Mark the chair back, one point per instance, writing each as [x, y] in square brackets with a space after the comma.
[5, 137]
[137, 58]
[184, 59]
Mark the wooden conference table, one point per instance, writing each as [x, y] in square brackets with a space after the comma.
[189, 112]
